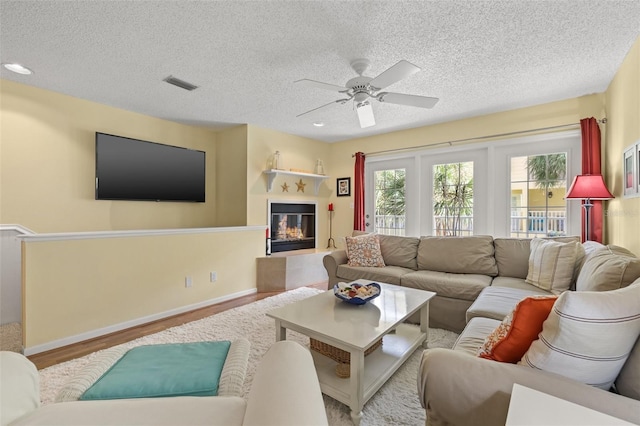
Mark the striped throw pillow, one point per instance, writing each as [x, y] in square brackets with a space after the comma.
[551, 264]
[588, 335]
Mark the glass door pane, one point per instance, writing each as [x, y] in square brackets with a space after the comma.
[389, 200]
[453, 199]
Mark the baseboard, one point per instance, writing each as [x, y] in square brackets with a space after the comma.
[132, 323]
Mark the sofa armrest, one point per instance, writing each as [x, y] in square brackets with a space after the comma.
[285, 389]
[457, 388]
[19, 387]
[331, 262]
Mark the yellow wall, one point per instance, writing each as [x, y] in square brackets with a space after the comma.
[622, 215]
[231, 177]
[76, 286]
[547, 115]
[47, 164]
[296, 152]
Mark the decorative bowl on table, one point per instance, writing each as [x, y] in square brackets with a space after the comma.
[355, 293]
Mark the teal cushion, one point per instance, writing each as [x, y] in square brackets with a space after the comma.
[181, 369]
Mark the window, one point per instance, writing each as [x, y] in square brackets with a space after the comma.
[503, 188]
[538, 186]
[453, 199]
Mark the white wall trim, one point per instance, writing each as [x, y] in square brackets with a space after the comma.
[133, 323]
[61, 236]
[17, 228]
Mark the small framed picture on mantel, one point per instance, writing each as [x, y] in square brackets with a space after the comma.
[344, 187]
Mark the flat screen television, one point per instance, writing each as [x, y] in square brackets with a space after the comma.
[132, 169]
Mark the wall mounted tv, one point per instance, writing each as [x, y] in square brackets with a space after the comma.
[131, 169]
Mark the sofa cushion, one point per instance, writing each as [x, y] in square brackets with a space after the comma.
[498, 302]
[458, 255]
[512, 338]
[473, 335]
[210, 411]
[364, 250]
[512, 255]
[399, 251]
[19, 387]
[628, 381]
[608, 269]
[552, 264]
[173, 369]
[386, 274]
[457, 286]
[588, 335]
[517, 283]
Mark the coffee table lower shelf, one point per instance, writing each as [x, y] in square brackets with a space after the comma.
[379, 366]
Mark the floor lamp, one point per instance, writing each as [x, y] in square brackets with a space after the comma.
[587, 188]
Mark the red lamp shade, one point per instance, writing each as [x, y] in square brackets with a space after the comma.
[589, 187]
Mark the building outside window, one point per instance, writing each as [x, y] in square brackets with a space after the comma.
[538, 187]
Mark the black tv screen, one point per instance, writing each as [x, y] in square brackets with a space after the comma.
[131, 169]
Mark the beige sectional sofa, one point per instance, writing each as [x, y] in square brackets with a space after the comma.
[457, 269]
[457, 387]
[478, 281]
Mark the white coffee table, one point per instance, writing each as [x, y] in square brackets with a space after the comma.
[354, 329]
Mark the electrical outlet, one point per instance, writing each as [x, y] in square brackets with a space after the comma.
[213, 277]
[188, 282]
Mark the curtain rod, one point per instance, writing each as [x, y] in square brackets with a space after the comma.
[477, 138]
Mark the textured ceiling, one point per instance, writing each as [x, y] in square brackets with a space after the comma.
[478, 57]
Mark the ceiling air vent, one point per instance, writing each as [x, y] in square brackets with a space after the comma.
[180, 83]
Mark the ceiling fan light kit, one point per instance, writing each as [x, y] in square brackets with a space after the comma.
[360, 89]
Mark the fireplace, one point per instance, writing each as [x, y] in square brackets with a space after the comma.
[292, 226]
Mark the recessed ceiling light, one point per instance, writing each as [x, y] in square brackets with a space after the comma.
[318, 124]
[18, 68]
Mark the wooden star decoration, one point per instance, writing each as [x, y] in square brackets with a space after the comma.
[285, 187]
[300, 186]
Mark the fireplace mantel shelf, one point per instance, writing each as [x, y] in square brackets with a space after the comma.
[272, 173]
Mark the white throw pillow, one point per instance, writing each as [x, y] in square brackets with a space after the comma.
[551, 264]
[588, 335]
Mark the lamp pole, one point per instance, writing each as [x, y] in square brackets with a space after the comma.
[587, 215]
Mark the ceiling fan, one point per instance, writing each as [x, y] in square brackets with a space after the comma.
[361, 89]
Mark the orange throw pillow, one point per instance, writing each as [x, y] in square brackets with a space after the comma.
[512, 338]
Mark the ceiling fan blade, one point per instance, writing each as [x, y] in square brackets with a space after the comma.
[321, 85]
[410, 100]
[399, 71]
[340, 101]
[365, 114]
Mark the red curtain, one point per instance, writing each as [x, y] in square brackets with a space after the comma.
[358, 205]
[591, 165]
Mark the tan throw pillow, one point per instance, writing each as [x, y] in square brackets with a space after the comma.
[551, 264]
[588, 335]
[364, 251]
[608, 269]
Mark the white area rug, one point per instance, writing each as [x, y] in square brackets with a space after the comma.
[11, 337]
[396, 403]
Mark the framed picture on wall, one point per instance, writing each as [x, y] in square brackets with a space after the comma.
[344, 187]
[630, 170]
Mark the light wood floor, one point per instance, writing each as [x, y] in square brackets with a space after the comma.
[77, 350]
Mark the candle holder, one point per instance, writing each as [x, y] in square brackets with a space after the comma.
[268, 240]
[331, 243]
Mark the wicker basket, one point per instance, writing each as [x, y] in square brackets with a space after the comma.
[343, 358]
